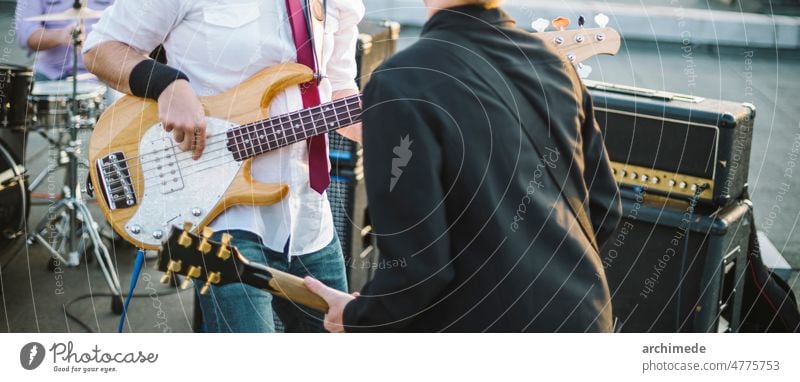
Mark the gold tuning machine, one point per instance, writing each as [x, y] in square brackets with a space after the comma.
[172, 267]
[192, 273]
[185, 240]
[213, 278]
[205, 246]
[224, 252]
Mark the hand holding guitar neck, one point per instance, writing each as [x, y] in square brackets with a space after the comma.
[336, 301]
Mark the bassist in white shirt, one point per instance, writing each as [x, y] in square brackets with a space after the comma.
[211, 47]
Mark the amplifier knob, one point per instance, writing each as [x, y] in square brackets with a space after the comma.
[682, 185]
[671, 182]
[634, 175]
[654, 180]
[694, 187]
[622, 172]
[643, 178]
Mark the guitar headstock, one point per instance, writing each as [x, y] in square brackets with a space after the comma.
[197, 257]
[582, 43]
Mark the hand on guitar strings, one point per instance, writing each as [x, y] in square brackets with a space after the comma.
[336, 300]
[181, 113]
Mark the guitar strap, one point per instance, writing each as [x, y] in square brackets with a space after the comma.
[459, 46]
[317, 29]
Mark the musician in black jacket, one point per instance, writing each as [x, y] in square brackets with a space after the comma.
[479, 227]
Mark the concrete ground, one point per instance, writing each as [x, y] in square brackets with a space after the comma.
[34, 299]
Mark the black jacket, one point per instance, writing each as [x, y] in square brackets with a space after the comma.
[473, 233]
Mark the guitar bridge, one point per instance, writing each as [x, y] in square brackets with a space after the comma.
[115, 181]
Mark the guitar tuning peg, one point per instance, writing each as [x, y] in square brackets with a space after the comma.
[172, 267]
[560, 23]
[601, 20]
[192, 273]
[185, 240]
[581, 21]
[224, 252]
[584, 70]
[213, 278]
[205, 247]
[540, 25]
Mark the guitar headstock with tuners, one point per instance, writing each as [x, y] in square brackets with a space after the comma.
[217, 263]
[579, 44]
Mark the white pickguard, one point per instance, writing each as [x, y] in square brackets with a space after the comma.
[178, 189]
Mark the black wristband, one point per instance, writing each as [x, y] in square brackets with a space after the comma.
[149, 78]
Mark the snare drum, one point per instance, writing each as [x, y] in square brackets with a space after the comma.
[15, 82]
[50, 101]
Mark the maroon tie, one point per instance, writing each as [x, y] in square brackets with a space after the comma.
[317, 147]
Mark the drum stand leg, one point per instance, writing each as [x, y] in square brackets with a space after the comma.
[72, 205]
[62, 161]
[79, 230]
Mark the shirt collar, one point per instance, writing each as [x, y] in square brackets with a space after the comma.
[468, 17]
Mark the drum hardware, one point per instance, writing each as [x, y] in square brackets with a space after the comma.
[14, 199]
[78, 13]
[63, 159]
[15, 82]
[70, 217]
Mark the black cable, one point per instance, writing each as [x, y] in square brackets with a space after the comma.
[85, 296]
[692, 205]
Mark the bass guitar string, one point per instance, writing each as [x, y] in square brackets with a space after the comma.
[194, 163]
[271, 136]
[187, 154]
[292, 116]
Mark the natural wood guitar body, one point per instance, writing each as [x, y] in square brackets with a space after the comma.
[122, 126]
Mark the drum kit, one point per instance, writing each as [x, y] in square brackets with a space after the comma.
[57, 111]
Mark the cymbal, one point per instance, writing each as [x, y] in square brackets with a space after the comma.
[69, 15]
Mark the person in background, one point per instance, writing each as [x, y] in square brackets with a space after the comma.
[51, 41]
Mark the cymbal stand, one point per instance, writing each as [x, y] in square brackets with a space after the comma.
[71, 206]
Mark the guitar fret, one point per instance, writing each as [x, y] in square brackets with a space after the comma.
[324, 119]
[336, 114]
[260, 136]
[253, 136]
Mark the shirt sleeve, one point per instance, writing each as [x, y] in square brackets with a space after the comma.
[141, 25]
[25, 9]
[403, 173]
[341, 68]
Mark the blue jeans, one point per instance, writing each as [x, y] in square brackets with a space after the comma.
[241, 308]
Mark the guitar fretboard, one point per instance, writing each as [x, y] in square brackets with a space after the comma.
[256, 138]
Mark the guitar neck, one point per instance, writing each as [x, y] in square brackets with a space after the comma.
[283, 285]
[250, 140]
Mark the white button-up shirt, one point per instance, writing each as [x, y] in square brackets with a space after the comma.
[219, 44]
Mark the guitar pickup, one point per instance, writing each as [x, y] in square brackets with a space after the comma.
[115, 181]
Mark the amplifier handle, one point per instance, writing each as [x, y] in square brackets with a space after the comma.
[650, 93]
